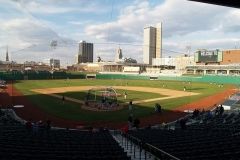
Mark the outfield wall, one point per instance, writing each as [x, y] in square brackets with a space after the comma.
[76, 75]
[121, 76]
[40, 75]
[207, 78]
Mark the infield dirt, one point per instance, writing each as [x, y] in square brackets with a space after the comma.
[169, 93]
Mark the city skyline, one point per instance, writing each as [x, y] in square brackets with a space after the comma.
[32, 25]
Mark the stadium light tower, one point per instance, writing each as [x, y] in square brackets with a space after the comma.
[53, 45]
[188, 50]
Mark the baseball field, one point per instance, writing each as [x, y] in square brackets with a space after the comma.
[46, 95]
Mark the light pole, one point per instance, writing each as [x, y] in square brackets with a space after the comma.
[12, 98]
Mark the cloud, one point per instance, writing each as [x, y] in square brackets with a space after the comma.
[42, 51]
[28, 30]
[178, 17]
[232, 28]
[222, 43]
[79, 23]
[184, 23]
[30, 40]
[36, 23]
[35, 7]
[60, 6]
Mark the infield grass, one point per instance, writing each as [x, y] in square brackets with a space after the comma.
[131, 95]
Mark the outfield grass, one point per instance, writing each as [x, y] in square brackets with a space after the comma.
[73, 111]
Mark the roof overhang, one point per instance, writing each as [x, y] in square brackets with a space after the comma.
[228, 3]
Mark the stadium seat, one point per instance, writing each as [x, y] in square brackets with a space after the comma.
[16, 142]
[206, 138]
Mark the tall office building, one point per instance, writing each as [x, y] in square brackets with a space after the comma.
[85, 53]
[152, 43]
[159, 41]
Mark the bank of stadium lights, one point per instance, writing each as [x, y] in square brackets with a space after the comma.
[53, 44]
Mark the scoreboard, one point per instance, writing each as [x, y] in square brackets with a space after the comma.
[207, 56]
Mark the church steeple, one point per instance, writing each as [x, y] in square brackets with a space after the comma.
[7, 58]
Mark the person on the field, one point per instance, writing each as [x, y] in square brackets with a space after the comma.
[184, 88]
[125, 95]
[103, 100]
[88, 96]
[158, 108]
[221, 110]
[130, 106]
[63, 99]
[110, 104]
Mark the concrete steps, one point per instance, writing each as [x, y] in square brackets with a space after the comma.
[133, 150]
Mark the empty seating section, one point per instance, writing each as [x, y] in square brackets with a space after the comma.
[205, 137]
[16, 142]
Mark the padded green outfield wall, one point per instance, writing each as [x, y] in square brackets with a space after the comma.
[77, 75]
[40, 75]
[207, 78]
[11, 76]
[121, 76]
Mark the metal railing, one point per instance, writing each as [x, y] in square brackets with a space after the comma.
[158, 153]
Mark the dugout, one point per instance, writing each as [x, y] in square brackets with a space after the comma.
[153, 77]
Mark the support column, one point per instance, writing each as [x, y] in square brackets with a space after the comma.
[194, 71]
[204, 72]
[228, 71]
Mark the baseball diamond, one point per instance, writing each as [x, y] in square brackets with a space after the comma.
[44, 98]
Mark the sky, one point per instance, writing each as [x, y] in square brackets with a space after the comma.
[28, 27]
